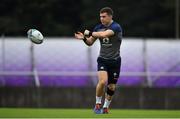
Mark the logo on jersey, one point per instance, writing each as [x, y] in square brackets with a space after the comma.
[106, 42]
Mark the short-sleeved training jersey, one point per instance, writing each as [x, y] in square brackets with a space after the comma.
[110, 47]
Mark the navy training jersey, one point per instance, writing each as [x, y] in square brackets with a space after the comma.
[110, 47]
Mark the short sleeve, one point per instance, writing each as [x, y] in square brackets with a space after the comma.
[116, 28]
[96, 28]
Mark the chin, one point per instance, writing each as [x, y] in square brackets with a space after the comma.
[103, 23]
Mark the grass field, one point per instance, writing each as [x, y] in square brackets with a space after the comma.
[85, 113]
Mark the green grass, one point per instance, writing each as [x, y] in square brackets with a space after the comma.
[85, 113]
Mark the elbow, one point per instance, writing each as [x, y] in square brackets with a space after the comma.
[89, 44]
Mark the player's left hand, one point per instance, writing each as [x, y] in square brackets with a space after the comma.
[79, 35]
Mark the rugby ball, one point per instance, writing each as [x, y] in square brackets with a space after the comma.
[35, 36]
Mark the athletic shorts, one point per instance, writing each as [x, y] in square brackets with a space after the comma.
[112, 66]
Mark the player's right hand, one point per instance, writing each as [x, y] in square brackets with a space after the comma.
[79, 35]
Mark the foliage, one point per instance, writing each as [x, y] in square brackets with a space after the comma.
[138, 18]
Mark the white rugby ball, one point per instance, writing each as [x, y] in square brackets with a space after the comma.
[35, 36]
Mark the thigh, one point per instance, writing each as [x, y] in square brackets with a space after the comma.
[102, 70]
[103, 76]
[102, 66]
[114, 71]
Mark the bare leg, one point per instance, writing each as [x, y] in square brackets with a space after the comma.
[103, 77]
[108, 98]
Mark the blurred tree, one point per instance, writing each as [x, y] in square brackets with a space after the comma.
[140, 18]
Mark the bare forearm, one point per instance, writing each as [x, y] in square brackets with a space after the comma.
[103, 34]
[99, 34]
[89, 41]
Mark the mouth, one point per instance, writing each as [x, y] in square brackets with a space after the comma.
[102, 22]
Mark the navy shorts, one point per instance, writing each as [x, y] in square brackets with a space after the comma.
[112, 66]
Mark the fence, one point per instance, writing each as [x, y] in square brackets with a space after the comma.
[84, 97]
[66, 62]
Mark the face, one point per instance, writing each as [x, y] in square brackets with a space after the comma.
[105, 18]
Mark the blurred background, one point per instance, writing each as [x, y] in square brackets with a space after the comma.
[61, 72]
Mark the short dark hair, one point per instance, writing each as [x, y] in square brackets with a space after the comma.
[107, 10]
